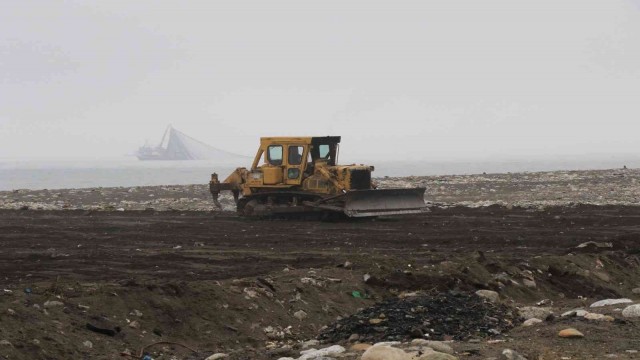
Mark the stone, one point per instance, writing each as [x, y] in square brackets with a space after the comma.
[354, 338]
[300, 315]
[313, 353]
[636, 291]
[438, 346]
[608, 302]
[11, 312]
[384, 353]
[531, 322]
[530, 312]
[309, 344]
[489, 295]
[217, 356]
[375, 321]
[577, 312]
[419, 342]
[135, 312]
[134, 325]
[387, 343]
[593, 244]
[508, 354]
[285, 350]
[5, 343]
[529, 283]
[360, 347]
[53, 303]
[570, 333]
[437, 356]
[598, 317]
[631, 311]
[602, 276]
[88, 344]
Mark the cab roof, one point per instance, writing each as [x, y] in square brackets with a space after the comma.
[305, 140]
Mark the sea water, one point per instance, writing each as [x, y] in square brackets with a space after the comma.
[128, 171]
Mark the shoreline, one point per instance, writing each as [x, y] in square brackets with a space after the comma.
[619, 187]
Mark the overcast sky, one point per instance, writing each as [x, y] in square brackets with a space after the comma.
[414, 79]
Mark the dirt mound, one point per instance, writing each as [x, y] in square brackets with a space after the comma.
[451, 315]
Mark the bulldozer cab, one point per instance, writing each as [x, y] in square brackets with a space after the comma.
[283, 161]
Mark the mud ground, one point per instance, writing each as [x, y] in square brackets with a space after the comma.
[214, 283]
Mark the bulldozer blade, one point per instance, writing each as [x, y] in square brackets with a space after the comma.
[366, 203]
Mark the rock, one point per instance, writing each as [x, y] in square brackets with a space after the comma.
[135, 312]
[309, 344]
[437, 346]
[313, 353]
[570, 334]
[509, 354]
[531, 322]
[437, 356]
[11, 312]
[354, 338]
[217, 356]
[529, 283]
[595, 245]
[636, 291]
[88, 344]
[419, 342]
[375, 321]
[608, 302]
[300, 315]
[489, 295]
[602, 276]
[530, 312]
[384, 353]
[5, 343]
[360, 347]
[134, 325]
[387, 343]
[285, 350]
[53, 303]
[631, 311]
[598, 317]
[577, 312]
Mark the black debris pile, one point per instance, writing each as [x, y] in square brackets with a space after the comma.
[443, 316]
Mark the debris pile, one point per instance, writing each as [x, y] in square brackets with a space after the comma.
[444, 316]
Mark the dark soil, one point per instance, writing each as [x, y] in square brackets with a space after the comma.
[214, 282]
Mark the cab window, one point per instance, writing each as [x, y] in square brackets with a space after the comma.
[324, 151]
[274, 154]
[295, 155]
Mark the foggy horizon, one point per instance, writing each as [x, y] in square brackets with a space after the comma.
[404, 80]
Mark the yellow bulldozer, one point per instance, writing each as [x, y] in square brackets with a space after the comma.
[300, 175]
